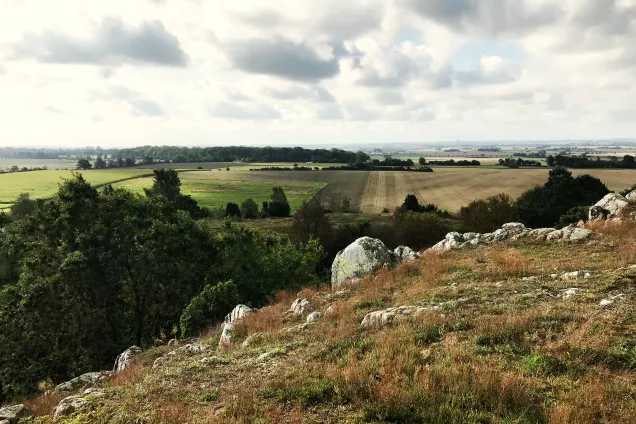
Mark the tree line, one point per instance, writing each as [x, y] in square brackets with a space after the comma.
[626, 162]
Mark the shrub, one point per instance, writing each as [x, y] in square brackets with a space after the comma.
[232, 210]
[249, 209]
[209, 307]
[574, 215]
[486, 215]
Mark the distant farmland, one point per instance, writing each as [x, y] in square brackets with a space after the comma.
[371, 192]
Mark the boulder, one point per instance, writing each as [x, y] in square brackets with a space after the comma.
[570, 293]
[68, 406]
[609, 206]
[575, 275]
[125, 358]
[253, 339]
[237, 313]
[405, 254]
[12, 414]
[387, 316]
[83, 382]
[314, 316]
[609, 301]
[300, 306]
[360, 258]
[226, 334]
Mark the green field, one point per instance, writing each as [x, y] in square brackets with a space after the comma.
[42, 184]
[215, 189]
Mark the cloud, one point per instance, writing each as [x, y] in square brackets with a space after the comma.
[228, 110]
[113, 44]
[487, 17]
[360, 113]
[281, 58]
[316, 94]
[140, 105]
[390, 97]
[330, 112]
[611, 17]
[491, 70]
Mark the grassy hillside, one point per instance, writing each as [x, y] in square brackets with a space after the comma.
[499, 342]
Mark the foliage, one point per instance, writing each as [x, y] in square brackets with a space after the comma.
[412, 204]
[166, 183]
[22, 206]
[452, 162]
[627, 162]
[628, 190]
[278, 206]
[208, 308]
[87, 274]
[232, 210]
[310, 221]
[486, 215]
[249, 209]
[542, 206]
[84, 164]
[574, 215]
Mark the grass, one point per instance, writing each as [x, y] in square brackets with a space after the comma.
[492, 348]
[43, 184]
[216, 193]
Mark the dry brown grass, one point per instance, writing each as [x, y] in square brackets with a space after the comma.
[507, 263]
[44, 404]
[622, 235]
[133, 374]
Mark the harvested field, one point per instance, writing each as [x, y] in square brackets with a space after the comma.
[452, 188]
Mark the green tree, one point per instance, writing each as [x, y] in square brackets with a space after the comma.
[22, 206]
[99, 163]
[249, 209]
[422, 161]
[487, 215]
[208, 308]
[166, 183]
[310, 221]
[232, 210]
[279, 207]
[84, 164]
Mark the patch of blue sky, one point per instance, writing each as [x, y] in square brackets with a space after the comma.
[468, 56]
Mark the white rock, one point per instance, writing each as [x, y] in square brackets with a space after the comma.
[84, 381]
[533, 278]
[387, 316]
[570, 293]
[580, 234]
[612, 203]
[314, 316]
[226, 334]
[251, 339]
[300, 306]
[12, 414]
[360, 258]
[125, 358]
[575, 275]
[405, 254]
[237, 313]
[611, 299]
[68, 406]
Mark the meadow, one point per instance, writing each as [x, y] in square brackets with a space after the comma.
[6, 163]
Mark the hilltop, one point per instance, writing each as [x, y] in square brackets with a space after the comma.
[517, 331]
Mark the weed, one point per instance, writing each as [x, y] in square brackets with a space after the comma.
[210, 396]
[431, 333]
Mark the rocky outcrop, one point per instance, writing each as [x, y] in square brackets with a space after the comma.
[189, 349]
[300, 306]
[314, 316]
[511, 231]
[84, 381]
[387, 316]
[68, 406]
[125, 358]
[609, 206]
[359, 259]
[237, 313]
[13, 414]
[226, 334]
[575, 275]
[405, 254]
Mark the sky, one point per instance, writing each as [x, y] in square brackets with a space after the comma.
[301, 72]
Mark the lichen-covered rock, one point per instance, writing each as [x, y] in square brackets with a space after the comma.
[511, 231]
[253, 339]
[575, 275]
[387, 316]
[237, 313]
[125, 358]
[359, 259]
[300, 306]
[609, 301]
[314, 316]
[69, 406]
[226, 334]
[405, 254]
[609, 206]
[570, 293]
[84, 381]
[12, 414]
[189, 349]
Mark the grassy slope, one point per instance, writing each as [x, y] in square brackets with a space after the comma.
[496, 349]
